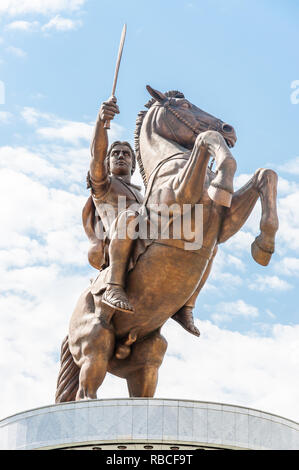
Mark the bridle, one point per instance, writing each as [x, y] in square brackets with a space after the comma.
[203, 126]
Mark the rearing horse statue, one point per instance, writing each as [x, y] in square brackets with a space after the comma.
[174, 142]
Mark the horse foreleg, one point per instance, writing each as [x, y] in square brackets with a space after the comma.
[263, 246]
[263, 184]
[189, 183]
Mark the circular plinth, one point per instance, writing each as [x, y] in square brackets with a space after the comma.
[138, 423]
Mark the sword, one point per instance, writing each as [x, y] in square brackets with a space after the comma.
[120, 51]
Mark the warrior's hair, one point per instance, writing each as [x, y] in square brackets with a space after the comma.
[118, 142]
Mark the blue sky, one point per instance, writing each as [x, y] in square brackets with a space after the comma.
[237, 60]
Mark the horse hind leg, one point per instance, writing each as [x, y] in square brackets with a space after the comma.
[263, 246]
[94, 362]
[145, 360]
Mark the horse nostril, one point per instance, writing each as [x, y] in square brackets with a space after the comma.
[227, 128]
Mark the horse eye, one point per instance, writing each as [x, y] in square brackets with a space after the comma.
[186, 105]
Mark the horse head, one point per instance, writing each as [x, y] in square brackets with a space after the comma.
[182, 121]
[170, 125]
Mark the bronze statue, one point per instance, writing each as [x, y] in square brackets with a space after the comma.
[157, 277]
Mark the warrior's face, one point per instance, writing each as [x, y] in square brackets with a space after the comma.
[120, 160]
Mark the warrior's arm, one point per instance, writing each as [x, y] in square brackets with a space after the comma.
[99, 145]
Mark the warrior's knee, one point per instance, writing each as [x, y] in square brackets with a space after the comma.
[127, 224]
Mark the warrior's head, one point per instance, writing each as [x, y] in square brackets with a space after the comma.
[121, 160]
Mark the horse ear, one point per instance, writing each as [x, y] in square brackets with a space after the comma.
[157, 95]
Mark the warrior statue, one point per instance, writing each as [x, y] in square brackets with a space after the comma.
[117, 321]
[109, 178]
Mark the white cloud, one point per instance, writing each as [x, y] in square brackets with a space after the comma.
[292, 166]
[21, 159]
[67, 131]
[288, 233]
[241, 180]
[30, 115]
[286, 187]
[21, 25]
[263, 283]
[44, 7]
[53, 128]
[73, 132]
[34, 116]
[240, 242]
[16, 51]
[59, 23]
[288, 266]
[225, 311]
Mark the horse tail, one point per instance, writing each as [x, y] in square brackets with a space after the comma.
[68, 378]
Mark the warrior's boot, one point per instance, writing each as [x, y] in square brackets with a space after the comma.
[115, 295]
[185, 318]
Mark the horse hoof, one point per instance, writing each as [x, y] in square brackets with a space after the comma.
[259, 255]
[220, 196]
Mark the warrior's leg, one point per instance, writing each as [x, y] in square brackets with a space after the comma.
[185, 315]
[120, 249]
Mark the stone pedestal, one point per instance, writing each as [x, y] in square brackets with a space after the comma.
[138, 423]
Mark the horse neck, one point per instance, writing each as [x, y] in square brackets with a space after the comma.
[154, 147]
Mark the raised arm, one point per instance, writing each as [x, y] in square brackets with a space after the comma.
[99, 145]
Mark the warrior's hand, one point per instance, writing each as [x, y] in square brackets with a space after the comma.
[108, 109]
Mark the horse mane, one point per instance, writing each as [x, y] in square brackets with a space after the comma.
[140, 117]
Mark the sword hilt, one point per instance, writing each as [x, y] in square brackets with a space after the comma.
[107, 123]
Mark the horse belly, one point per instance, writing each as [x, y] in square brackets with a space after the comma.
[162, 281]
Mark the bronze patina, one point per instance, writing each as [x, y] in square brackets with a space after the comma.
[116, 324]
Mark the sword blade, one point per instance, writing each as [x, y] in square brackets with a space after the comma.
[120, 51]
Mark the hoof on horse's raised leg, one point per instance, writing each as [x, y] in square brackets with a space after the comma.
[260, 255]
[220, 196]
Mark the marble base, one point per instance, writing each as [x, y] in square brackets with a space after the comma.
[147, 423]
